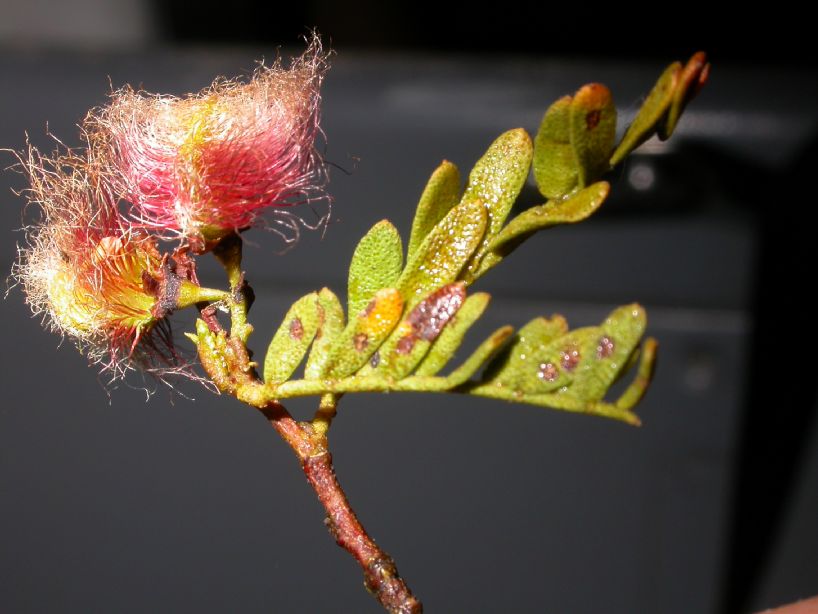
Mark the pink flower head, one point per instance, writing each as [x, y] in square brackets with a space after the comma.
[202, 166]
[92, 277]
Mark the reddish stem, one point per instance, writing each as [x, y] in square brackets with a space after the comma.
[227, 362]
[381, 577]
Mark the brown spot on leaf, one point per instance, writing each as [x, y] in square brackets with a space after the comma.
[569, 358]
[296, 329]
[592, 118]
[548, 372]
[322, 318]
[605, 347]
[405, 344]
[430, 315]
[360, 341]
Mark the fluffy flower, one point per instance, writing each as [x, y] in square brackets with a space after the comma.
[91, 277]
[208, 164]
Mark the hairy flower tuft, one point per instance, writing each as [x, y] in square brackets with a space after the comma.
[92, 277]
[202, 166]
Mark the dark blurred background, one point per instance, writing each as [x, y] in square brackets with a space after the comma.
[111, 504]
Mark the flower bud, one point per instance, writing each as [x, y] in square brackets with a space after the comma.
[95, 279]
[207, 165]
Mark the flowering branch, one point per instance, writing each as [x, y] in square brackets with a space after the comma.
[198, 172]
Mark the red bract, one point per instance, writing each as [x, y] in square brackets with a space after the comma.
[202, 166]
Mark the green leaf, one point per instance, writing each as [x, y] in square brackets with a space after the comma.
[651, 114]
[664, 105]
[556, 169]
[574, 209]
[376, 264]
[496, 181]
[593, 131]
[442, 192]
[513, 369]
[693, 77]
[444, 252]
[364, 333]
[573, 371]
[483, 354]
[644, 374]
[580, 364]
[607, 351]
[443, 350]
[292, 339]
[330, 326]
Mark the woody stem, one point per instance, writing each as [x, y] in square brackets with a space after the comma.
[381, 577]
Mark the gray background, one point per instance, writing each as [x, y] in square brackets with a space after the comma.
[109, 503]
